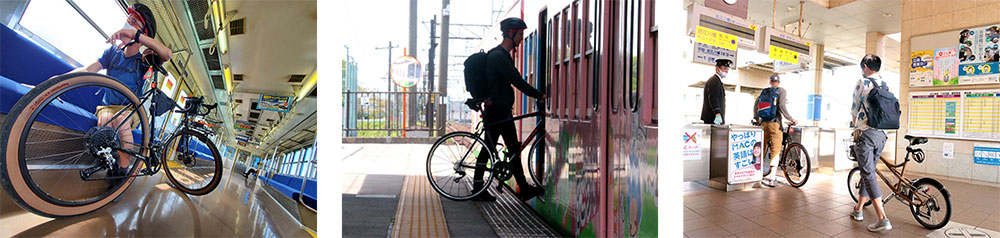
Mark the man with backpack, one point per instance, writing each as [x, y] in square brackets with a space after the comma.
[873, 108]
[494, 88]
[769, 108]
[713, 106]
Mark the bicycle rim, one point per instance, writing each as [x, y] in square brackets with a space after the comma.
[192, 162]
[44, 146]
[935, 209]
[451, 166]
[537, 159]
[796, 165]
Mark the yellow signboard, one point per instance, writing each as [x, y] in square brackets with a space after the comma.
[782, 54]
[715, 38]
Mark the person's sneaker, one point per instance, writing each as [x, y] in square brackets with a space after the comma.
[529, 192]
[484, 197]
[856, 215]
[882, 225]
[768, 182]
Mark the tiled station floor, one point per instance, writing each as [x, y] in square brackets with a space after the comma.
[820, 208]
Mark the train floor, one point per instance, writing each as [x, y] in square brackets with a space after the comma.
[820, 209]
[151, 207]
[386, 194]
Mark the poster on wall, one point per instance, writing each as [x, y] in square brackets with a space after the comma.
[979, 54]
[981, 119]
[947, 113]
[986, 154]
[692, 144]
[710, 45]
[945, 66]
[921, 68]
[745, 153]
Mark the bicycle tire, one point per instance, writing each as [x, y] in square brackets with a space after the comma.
[14, 133]
[533, 161]
[456, 149]
[929, 183]
[765, 166]
[853, 185]
[216, 161]
[796, 157]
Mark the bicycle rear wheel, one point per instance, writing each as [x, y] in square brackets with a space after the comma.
[451, 166]
[795, 164]
[56, 159]
[187, 164]
[935, 209]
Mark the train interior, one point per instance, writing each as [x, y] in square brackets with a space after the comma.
[255, 60]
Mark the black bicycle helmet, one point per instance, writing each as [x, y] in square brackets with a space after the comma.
[507, 26]
[147, 18]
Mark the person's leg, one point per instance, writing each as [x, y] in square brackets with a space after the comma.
[878, 139]
[125, 133]
[772, 133]
[871, 143]
[509, 133]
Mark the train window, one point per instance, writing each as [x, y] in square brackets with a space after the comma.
[556, 38]
[615, 64]
[654, 47]
[636, 30]
[567, 28]
[578, 24]
[545, 67]
[593, 45]
[72, 34]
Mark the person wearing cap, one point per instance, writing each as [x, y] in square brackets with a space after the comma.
[501, 74]
[772, 127]
[123, 62]
[713, 106]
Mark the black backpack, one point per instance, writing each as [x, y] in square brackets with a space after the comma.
[883, 108]
[475, 75]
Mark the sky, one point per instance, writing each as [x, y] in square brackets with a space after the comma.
[365, 25]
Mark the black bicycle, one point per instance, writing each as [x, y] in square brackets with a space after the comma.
[794, 163]
[451, 163]
[58, 161]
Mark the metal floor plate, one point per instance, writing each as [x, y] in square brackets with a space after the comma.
[512, 218]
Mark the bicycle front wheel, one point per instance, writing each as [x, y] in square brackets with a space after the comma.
[452, 162]
[192, 162]
[537, 158]
[854, 185]
[796, 165]
[55, 156]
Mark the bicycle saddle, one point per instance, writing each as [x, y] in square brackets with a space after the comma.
[914, 140]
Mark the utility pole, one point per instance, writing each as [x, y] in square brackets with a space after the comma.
[430, 74]
[412, 98]
[443, 87]
[388, 77]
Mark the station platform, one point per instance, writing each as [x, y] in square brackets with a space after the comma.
[820, 208]
[151, 207]
[385, 193]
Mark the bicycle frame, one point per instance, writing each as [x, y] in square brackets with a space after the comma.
[528, 140]
[155, 149]
[897, 188]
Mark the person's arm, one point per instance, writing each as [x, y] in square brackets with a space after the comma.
[716, 97]
[126, 35]
[856, 103]
[782, 102]
[509, 72]
[93, 67]
[755, 102]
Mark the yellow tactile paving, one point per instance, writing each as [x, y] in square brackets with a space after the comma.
[419, 213]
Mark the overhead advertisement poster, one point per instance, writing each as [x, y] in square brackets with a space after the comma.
[945, 66]
[979, 55]
[711, 45]
[922, 68]
[274, 103]
[242, 125]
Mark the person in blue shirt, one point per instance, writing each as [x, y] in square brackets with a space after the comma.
[123, 62]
